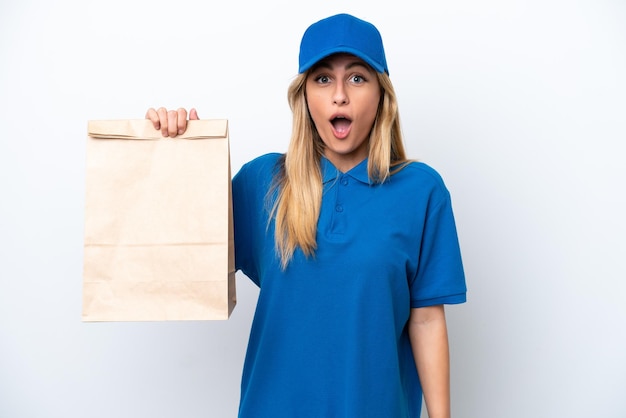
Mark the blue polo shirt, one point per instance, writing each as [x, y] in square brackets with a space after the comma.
[329, 335]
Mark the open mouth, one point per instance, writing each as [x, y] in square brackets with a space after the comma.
[341, 124]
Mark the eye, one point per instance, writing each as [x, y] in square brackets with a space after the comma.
[322, 79]
[357, 79]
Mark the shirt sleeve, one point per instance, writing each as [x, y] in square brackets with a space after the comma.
[243, 211]
[440, 277]
[250, 188]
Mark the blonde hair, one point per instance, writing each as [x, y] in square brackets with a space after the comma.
[299, 179]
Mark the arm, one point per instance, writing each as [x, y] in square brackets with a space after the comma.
[429, 341]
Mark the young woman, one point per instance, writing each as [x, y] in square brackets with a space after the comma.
[353, 246]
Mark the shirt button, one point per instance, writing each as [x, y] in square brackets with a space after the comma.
[344, 181]
[339, 208]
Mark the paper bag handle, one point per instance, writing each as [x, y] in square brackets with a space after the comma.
[143, 129]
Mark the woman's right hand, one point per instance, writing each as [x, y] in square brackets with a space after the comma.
[170, 122]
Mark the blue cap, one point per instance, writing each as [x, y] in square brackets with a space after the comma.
[342, 33]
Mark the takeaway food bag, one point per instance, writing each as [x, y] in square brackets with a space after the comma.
[158, 243]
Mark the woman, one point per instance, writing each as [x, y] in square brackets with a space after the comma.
[353, 246]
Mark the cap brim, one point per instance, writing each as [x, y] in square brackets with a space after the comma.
[328, 52]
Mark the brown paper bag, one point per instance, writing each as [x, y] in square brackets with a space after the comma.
[158, 223]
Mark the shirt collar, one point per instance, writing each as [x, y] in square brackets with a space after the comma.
[330, 172]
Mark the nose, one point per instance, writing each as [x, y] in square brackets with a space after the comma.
[340, 95]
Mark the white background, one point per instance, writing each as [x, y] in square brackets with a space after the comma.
[520, 105]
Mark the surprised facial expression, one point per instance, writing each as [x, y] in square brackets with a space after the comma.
[343, 94]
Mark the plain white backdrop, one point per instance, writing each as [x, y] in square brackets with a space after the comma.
[519, 104]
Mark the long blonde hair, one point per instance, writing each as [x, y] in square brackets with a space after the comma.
[299, 179]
